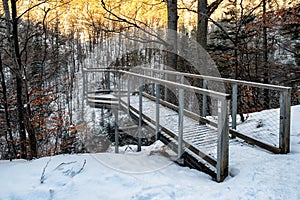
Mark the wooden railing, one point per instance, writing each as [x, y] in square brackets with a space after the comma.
[284, 104]
[223, 99]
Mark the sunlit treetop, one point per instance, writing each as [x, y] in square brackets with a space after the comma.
[84, 15]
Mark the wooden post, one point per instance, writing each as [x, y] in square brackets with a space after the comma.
[140, 115]
[108, 80]
[223, 140]
[204, 100]
[166, 89]
[102, 117]
[84, 84]
[119, 90]
[153, 84]
[128, 95]
[122, 83]
[180, 123]
[182, 79]
[157, 94]
[285, 118]
[84, 94]
[234, 105]
[116, 131]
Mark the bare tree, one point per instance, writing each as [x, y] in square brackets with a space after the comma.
[172, 33]
[265, 53]
[8, 132]
[23, 105]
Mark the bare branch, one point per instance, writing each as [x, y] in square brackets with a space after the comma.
[210, 9]
[43, 177]
[124, 20]
[188, 9]
[81, 169]
[153, 4]
[34, 6]
[213, 6]
[45, 1]
[26, 43]
[213, 21]
[285, 47]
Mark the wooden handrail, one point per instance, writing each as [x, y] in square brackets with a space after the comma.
[219, 79]
[207, 92]
[209, 78]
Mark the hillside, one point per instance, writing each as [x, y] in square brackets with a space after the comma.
[254, 174]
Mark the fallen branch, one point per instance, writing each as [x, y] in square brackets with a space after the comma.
[70, 172]
[43, 177]
[80, 170]
[63, 163]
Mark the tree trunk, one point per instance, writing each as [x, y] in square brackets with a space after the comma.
[8, 134]
[172, 46]
[265, 56]
[202, 23]
[16, 56]
[172, 33]
[12, 35]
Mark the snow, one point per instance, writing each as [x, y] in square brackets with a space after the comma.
[150, 175]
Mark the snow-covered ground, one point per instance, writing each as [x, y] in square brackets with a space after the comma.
[149, 175]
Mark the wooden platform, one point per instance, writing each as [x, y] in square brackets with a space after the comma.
[202, 137]
[201, 140]
[197, 154]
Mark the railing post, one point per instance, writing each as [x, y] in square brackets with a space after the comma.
[166, 88]
[204, 100]
[140, 115]
[122, 83]
[157, 94]
[84, 84]
[128, 94]
[285, 117]
[223, 140]
[182, 79]
[153, 84]
[119, 89]
[86, 80]
[116, 131]
[108, 80]
[234, 105]
[102, 117]
[180, 123]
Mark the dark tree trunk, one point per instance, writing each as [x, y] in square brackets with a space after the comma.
[19, 83]
[8, 135]
[19, 89]
[172, 33]
[202, 23]
[172, 46]
[265, 56]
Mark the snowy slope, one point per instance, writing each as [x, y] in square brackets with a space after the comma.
[255, 174]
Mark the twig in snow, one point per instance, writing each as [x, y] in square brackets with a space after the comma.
[71, 173]
[63, 163]
[43, 178]
[80, 170]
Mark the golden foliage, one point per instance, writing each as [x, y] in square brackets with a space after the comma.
[86, 16]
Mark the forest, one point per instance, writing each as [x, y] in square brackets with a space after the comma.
[45, 44]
